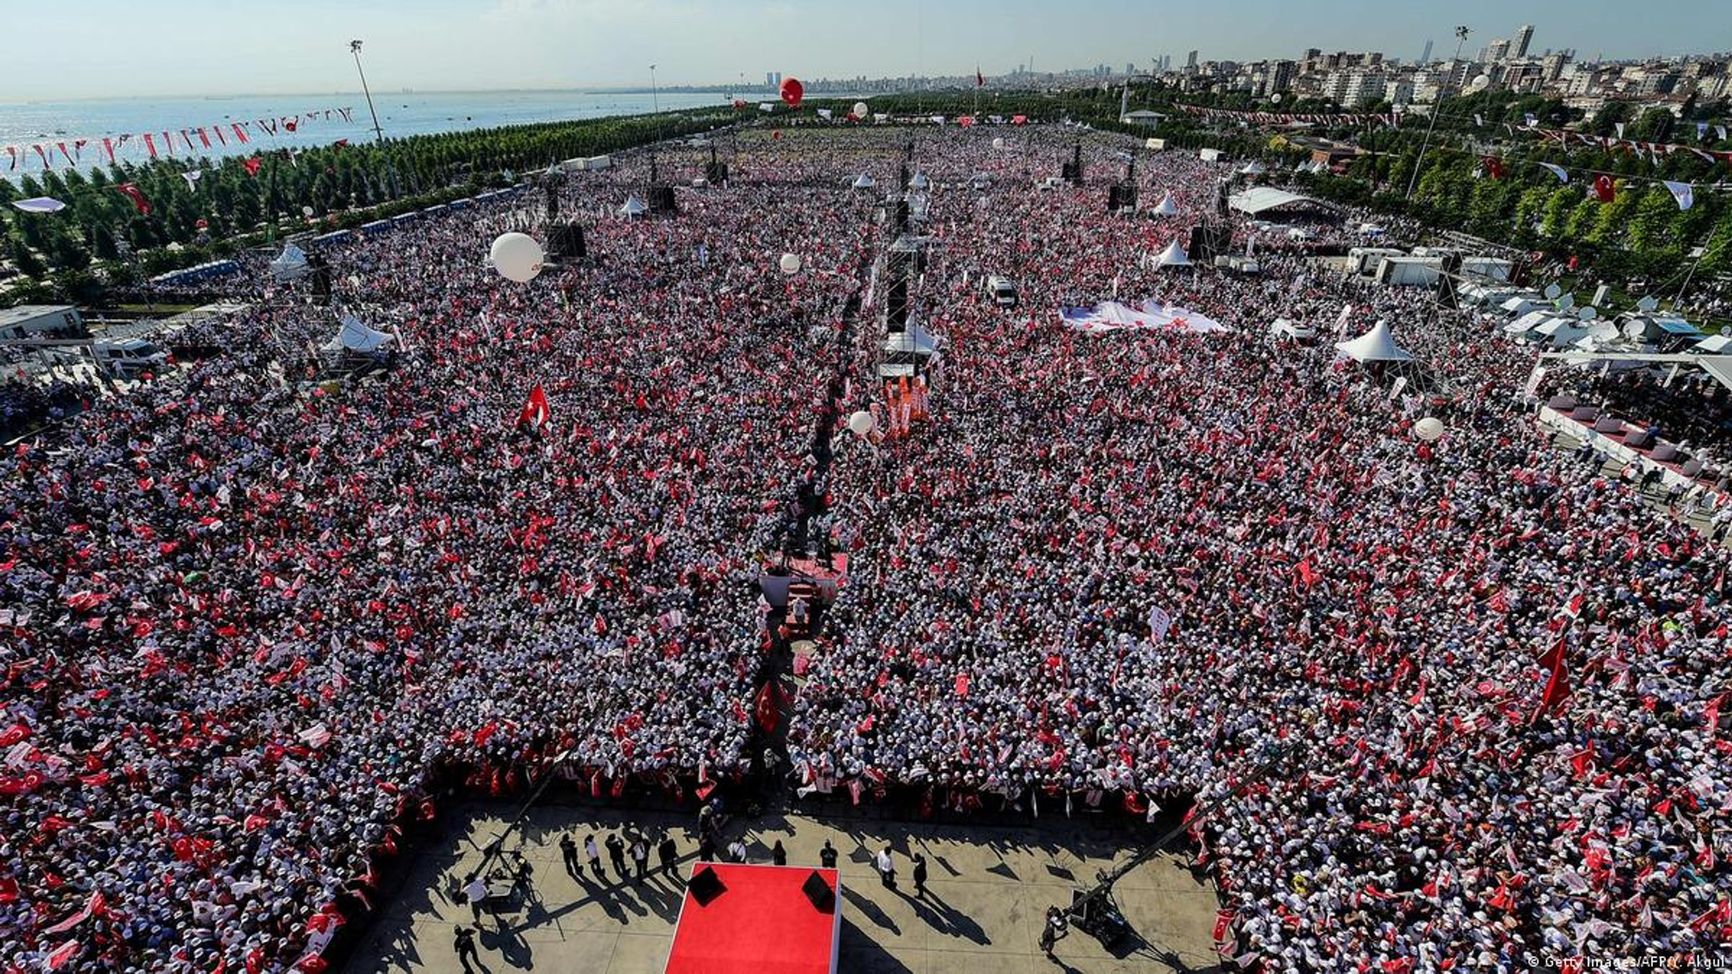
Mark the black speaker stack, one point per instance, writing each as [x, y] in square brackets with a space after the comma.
[1209, 242]
[319, 273]
[1121, 196]
[705, 886]
[661, 200]
[1446, 279]
[566, 242]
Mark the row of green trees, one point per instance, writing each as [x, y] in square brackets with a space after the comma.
[229, 206]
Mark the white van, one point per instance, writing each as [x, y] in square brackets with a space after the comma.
[1001, 290]
[127, 358]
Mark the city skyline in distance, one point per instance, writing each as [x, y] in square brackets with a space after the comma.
[209, 48]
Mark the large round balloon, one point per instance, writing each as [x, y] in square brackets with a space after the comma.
[861, 423]
[860, 109]
[739, 104]
[517, 256]
[793, 91]
[1428, 429]
[790, 263]
[998, 143]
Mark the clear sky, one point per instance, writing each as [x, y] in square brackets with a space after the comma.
[55, 49]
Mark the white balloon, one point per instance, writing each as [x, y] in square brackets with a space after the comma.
[517, 256]
[1428, 429]
[860, 109]
[998, 143]
[306, 211]
[861, 423]
[790, 263]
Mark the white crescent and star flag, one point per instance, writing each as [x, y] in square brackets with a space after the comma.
[1620, 127]
[192, 177]
[1159, 623]
[1558, 171]
[1684, 193]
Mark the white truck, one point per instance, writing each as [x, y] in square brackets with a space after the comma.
[1001, 290]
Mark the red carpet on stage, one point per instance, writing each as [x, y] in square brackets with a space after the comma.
[763, 923]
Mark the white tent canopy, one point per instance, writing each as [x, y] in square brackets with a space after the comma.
[1173, 256]
[1252, 168]
[290, 264]
[919, 181]
[633, 206]
[1166, 207]
[1284, 328]
[1376, 345]
[916, 341]
[356, 337]
[1713, 345]
[864, 181]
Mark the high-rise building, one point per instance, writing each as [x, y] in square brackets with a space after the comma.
[1524, 36]
[1425, 58]
[1497, 50]
[772, 78]
[1191, 60]
[1281, 76]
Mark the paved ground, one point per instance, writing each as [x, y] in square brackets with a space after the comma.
[989, 889]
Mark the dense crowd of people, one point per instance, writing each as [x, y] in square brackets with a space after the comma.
[250, 618]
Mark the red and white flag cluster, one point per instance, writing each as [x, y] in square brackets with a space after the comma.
[191, 141]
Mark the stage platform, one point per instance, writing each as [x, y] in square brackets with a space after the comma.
[988, 890]
[759, 920]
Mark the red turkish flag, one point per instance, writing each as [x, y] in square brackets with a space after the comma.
[767, 708]
[61, 955]
[253, 165]
[1604, 189]
[136, 195]
[535, 412]
[1557, 688]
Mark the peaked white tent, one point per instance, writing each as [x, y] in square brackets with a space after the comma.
[290, 265]
[1173, 256]
[1166, 207]
[356, 337]
[864, 181]
[919, 181]
[1376, 345]
[1253, 168]
[633, 206]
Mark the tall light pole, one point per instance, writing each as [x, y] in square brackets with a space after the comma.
[355, 49]
[655, 99]
[1436, 109]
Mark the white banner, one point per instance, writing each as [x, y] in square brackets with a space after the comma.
[1159, 623]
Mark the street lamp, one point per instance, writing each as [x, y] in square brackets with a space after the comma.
[1436, 108]
[655, 99]
[355, 49]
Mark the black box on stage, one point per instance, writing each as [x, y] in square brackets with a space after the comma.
[716, 173]
[1121, 196]
[661, 200]
[819, 892]
[706, 886]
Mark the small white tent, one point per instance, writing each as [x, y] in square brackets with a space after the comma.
[1173, 256]
[290, 265]
[920, 181]
[1166, 207]
[356, 337]
[864, 181]
[633, 207]
[1253, 168]
[1376, 345]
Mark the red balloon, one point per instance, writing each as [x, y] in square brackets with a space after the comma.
[777, 135]
[793, 91]
[201, 223]
[739, 103]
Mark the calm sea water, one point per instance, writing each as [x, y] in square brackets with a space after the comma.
[23, 124]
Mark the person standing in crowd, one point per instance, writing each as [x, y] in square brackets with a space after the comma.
[778, 855]
[886, 868]
[706, 848]
[667, 853]
[592, 852]
[568, 853]
[475, 891]
[616, 854]
[737, 849]
[919, 874]
[464, 944]
[827, 855]
[1056, 927]
[639, 857]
